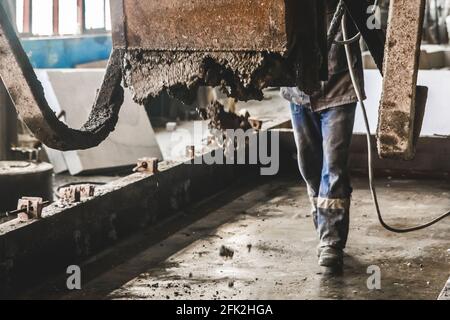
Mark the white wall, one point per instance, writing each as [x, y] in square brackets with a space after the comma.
[437, 115]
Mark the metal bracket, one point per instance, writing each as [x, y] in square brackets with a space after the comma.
[77, 193]
[29, 208]
[147, 165]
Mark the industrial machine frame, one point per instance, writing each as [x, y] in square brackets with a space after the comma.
[246, 46]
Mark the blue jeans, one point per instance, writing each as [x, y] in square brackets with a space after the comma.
[323, 142]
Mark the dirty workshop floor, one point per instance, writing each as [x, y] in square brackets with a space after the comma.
[268, 226]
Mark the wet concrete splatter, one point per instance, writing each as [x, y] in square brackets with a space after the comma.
[226, 252]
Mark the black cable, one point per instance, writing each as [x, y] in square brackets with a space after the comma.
[336, 24]
[369, 152]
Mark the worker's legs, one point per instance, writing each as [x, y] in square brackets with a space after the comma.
[308, 137]
[335, 189]
[323, 142]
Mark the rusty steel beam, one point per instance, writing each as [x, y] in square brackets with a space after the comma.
[245, 45]
[209, 25]
[178, 46]
[27, 94]
[398, 101]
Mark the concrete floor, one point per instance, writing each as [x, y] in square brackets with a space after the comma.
[269, 227]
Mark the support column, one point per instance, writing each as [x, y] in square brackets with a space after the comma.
[8, 115]
[401, 63]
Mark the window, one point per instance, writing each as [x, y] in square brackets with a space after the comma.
[62, 17]
[19, 15]
[97, 15]
[42, 17]
[94, 19]
[68, 17]
[107, 15]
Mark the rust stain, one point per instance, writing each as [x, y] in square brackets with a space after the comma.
[244, 25]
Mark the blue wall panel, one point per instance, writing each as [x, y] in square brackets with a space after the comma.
[67, 52]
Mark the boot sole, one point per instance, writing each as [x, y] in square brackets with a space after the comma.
[330, 262]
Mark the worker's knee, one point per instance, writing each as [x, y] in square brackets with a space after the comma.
[335, 186]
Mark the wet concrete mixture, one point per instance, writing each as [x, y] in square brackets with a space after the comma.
[245, 74]
[257, 241]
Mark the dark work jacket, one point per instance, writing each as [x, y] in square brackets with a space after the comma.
[338, 90]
